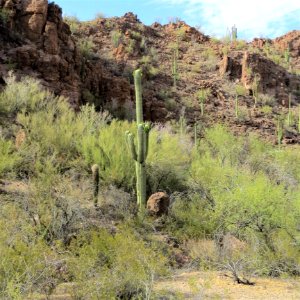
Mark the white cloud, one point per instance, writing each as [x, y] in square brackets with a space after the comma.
[253, 18]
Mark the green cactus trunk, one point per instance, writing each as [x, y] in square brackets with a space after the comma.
[299, 120]
[139, 153]
[96, 181]
[174, 66]
[236, 106]
[289, 117]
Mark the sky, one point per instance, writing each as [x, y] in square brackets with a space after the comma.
[253, 18]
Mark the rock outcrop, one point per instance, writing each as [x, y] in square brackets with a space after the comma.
[273, 79]
[37, 42]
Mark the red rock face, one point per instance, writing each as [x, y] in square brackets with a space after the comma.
[290, 41]
[40, 44]
[273, 79]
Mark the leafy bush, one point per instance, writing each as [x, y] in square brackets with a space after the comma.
[26, 95]
[231, 196]
[119, 266]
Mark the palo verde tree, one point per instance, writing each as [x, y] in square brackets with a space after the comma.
[139, 152]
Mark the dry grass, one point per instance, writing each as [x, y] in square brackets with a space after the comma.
[217, 285]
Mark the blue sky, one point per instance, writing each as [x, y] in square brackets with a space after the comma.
[255, 18]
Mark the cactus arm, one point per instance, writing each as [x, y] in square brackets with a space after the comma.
[137, 74]
[147, 129]
[130, 143]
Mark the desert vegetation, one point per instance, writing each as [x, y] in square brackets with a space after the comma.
[235, 201]
[99, 118]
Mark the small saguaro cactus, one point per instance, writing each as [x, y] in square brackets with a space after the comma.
[202, 95]
[175, 65]
[139, 152]
[279, 131]
[236, 106]
[299, 120]
[96, 180]
[289, 115]
[255, 88]
[233, 33]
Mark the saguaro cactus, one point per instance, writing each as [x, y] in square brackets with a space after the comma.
[175, 65]
[139, 153]
[233, 33]
[96, 179]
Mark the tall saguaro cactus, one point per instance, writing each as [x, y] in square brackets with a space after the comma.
[139, 152]
[175, 64]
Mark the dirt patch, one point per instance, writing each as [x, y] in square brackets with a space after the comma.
[217, 285]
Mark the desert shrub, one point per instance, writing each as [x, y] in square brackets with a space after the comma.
[196, 68]
[266, 99]
[99, 15]
[8, 157]
[168, 154]
[4, 15]
[232, 196]
[86, 47]
[73, 23]
[119, 266]
[116, 38]
[52, 129]
[52, 132]
[131, 45]
[27, 263]
[240, 90]
[147, 65]
[240, 44]
[266, 109]
[26, 95]
[55, 200]
[116, 203]
[136, 35]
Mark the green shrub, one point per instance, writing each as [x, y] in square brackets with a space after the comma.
[136, 35]
[168, 155]
[231, 191]
[86, 47]
[131, 45]
[119, 266]
[73, 23]
[116, 38]
[8, 157]
[27, 263]
[240, 90]
[26, 95]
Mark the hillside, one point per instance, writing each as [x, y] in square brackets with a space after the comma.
[93, 62]
[145, 162]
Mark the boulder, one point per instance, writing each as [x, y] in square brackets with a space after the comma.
[158, 204]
